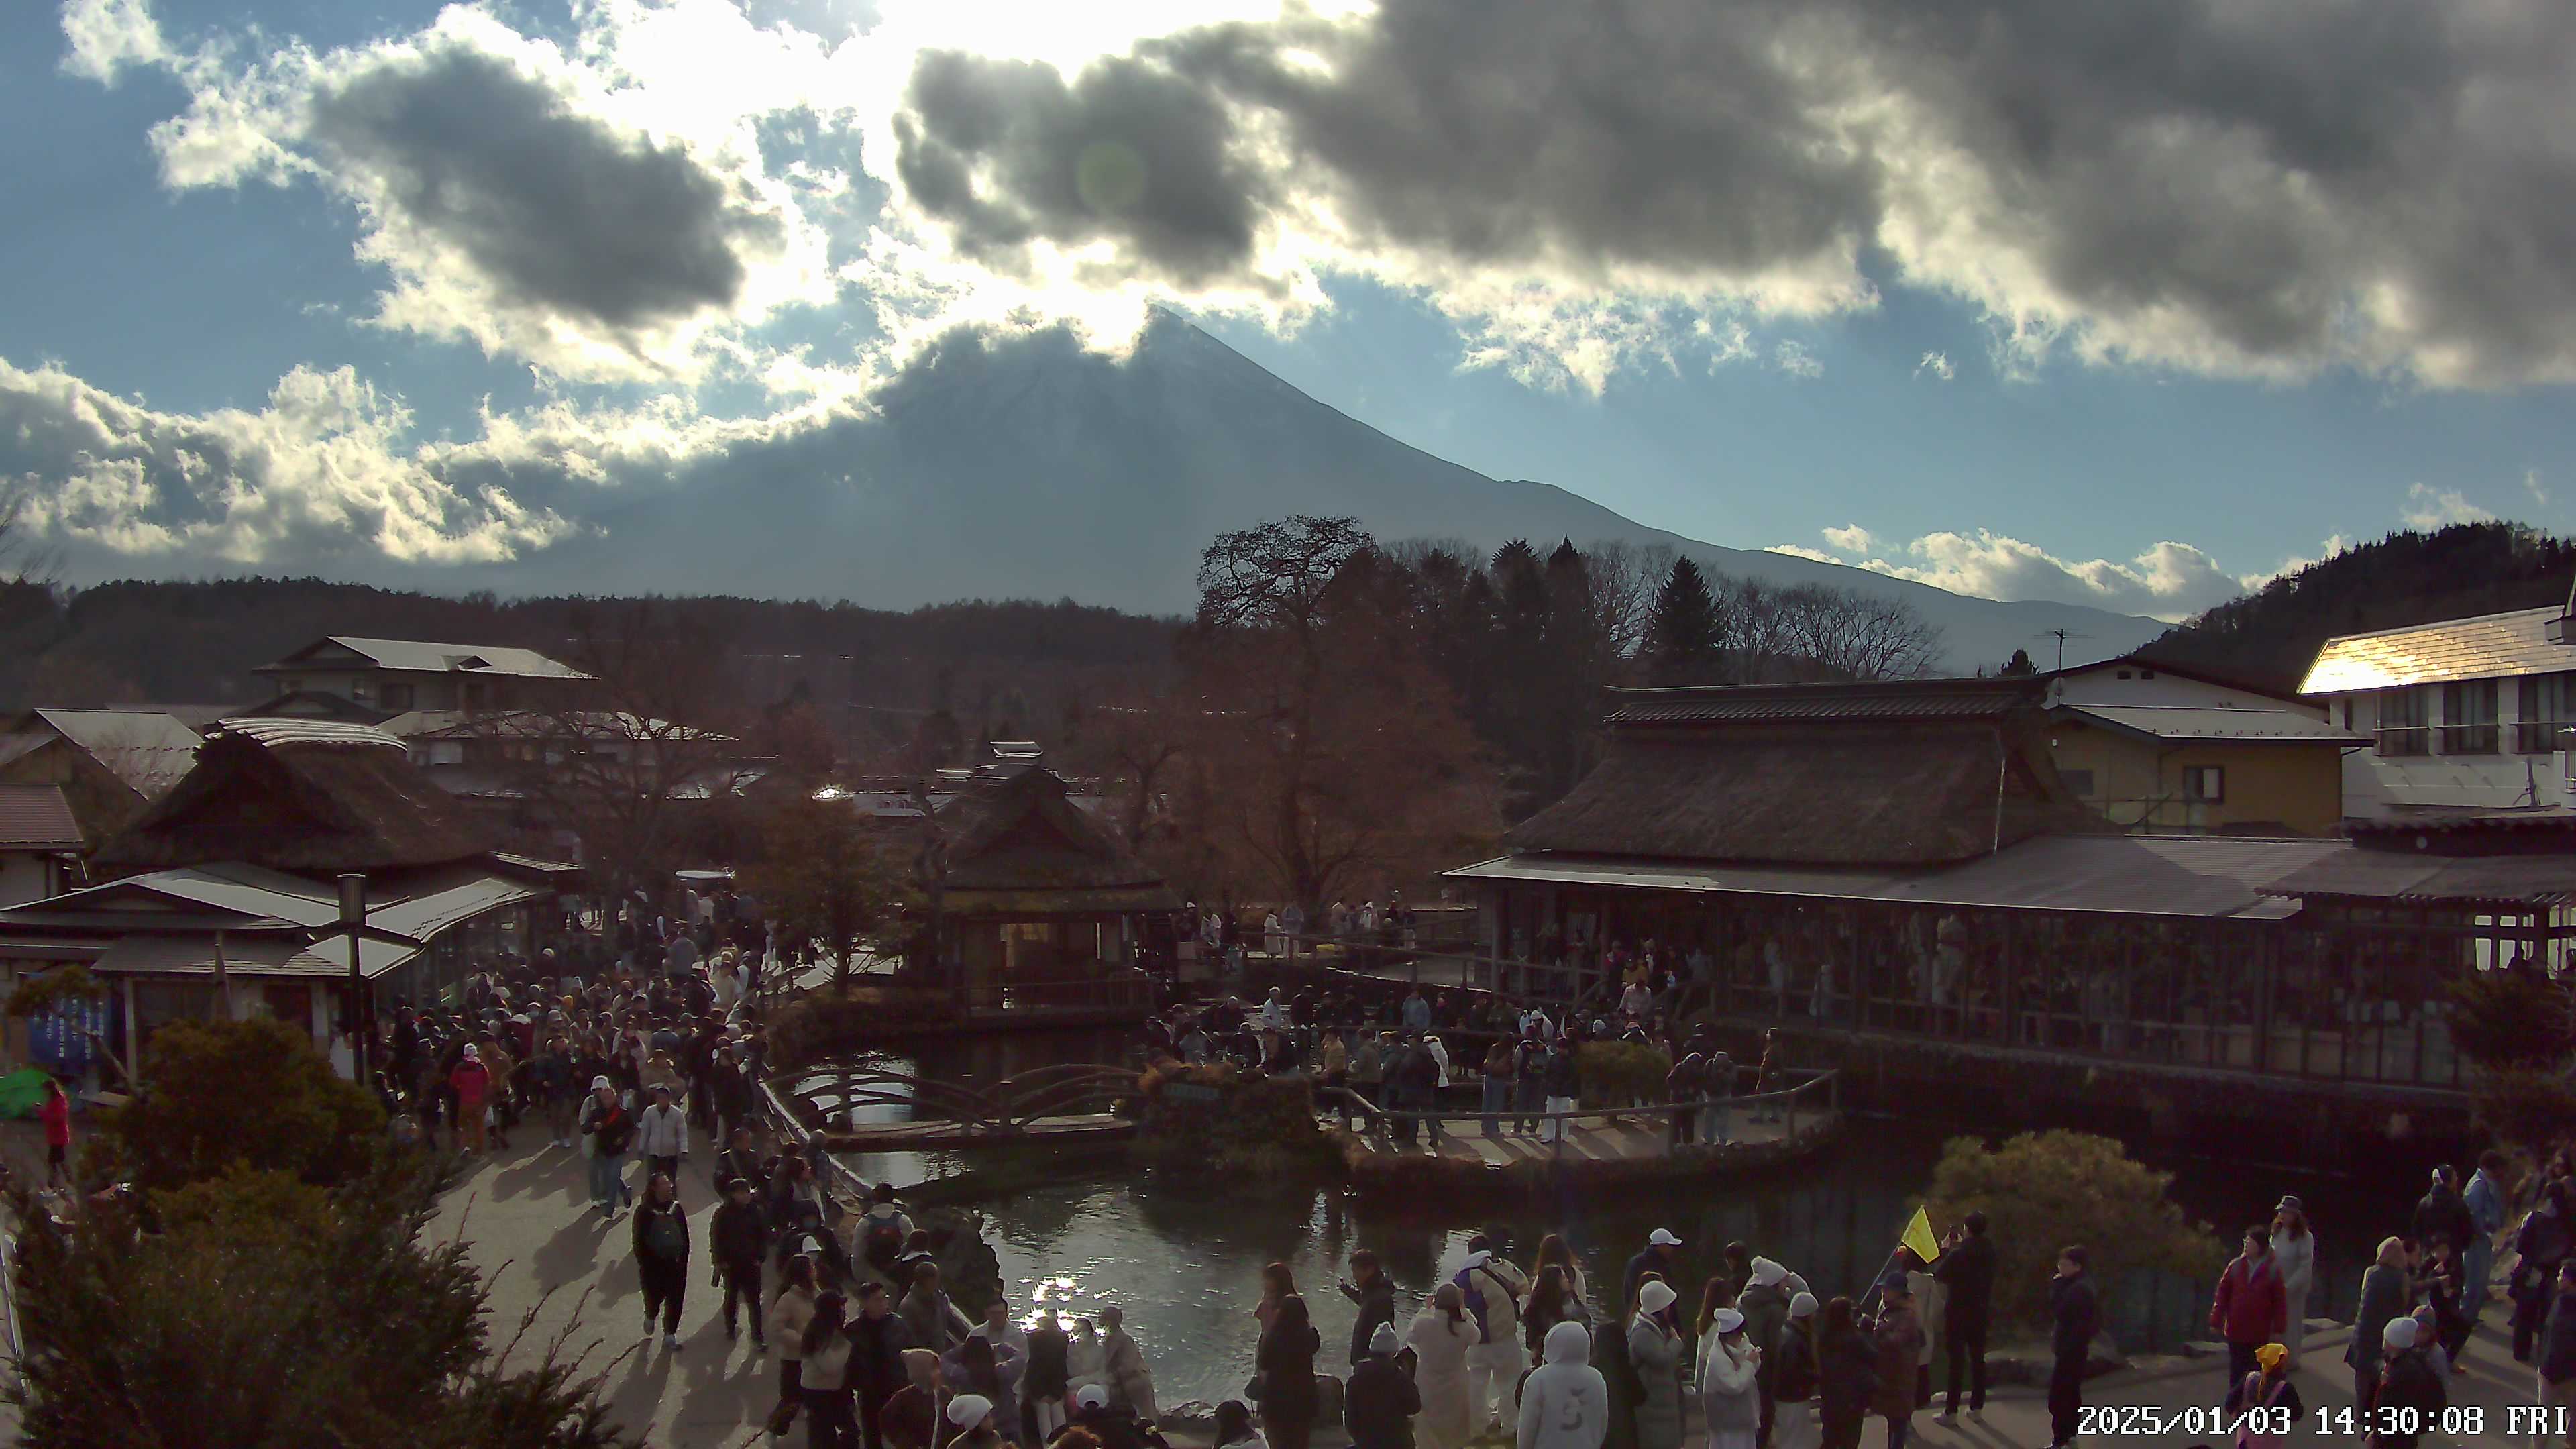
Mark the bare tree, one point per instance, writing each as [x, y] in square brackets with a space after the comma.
[1624, 578]
[1843, 633]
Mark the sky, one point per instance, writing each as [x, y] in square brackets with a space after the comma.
[2132, 306]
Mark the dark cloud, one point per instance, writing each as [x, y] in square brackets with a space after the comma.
[1007, 153]
[2296, 184]
[558, 211]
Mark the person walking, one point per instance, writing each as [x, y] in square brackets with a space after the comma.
[55, 1112]
[607, 1129]
[2485, 1198]
[1967, 1272]
[2294, 1252]
[2385, 1295]
[1374, 1293]
[1381, 1400]
[471, 1081]
[1898, 1337]
[2078, 1316]
[2556, 1377]
[661, 1231]
[662, 1134]
[1493, 1289]
[1656, 1353]
[1130, 1382]
[1441, 1335]
[789, 1313]
[830, 1421]
[2249, 1308]
[1565, 1403]
[1793, 1374]
[1285, 1361]
[1730, 1403]
[738, 1238]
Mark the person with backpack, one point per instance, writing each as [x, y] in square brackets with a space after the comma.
[737, 1238]
[884, 1229]
[607, 1130]
[1493, 1290]
[661, 1231]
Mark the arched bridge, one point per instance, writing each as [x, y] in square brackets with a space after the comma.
[1069, 1101]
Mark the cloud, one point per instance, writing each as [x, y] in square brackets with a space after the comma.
[2532, 485]
[319, 473]
[1938, 365]
[2428, 508]
[1852, 538]
[108, 35]
[2268, 193]
[601, 208]
[1794, 359]
[2169, 581]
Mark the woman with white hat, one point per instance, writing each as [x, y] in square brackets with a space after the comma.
[1727, 1398]
[1440, 1335]
[1655, 1351]
[1794, 1379]
[971, 1417]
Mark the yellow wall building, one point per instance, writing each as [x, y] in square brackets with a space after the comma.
[2165, 753]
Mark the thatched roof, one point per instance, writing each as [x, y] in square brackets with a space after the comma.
[307, 801]
[1016, 831]
[1815, 775]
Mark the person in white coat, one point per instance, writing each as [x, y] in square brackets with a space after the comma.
[1728, 1402]
[1494, 1364]
[2294, 1252]
[1086, 1360]
[1440, 1336]
[1566, 1403]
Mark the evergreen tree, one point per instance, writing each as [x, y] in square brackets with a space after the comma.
[1685, 634]
[2020, 664]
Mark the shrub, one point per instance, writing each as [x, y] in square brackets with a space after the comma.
[1257, 1126]
[2044, 1190]
[221, 1095]
[2509, 1021]
[2531, 1108]
[1620, 1074]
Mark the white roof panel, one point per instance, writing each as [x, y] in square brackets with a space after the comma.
[2204, 722]
[2486, 646]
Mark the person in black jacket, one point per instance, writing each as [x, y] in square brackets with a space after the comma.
[1846, 1374]
[1374, 1292]
[1967, 1271]
[736, 1239]
[661, 1229]
[2442, 1212]
[2408, 1385]
[2079, 1317]
[1286, 1361]
[1379, 1405]
[877, 1341]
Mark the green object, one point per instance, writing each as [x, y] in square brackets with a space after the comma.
[22, 1092]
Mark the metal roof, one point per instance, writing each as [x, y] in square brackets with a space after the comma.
[2487, 646]
[290, 730]
[2156, 875]
[249, 955]
[1869, 700]
[2211, 722]
[149, 751]
[37, 817]
[2388, 875]
[418, 656]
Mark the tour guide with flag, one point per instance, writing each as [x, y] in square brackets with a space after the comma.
[1919, 1239]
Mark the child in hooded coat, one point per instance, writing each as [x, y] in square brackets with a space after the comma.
[1565, 1402]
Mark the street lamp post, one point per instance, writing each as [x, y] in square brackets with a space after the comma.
[353, 919]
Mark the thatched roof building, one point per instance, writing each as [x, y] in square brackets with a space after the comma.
[1016, 844]
[1906, 773]
[301, 796]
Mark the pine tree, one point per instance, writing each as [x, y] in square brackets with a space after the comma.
[2020, 664]
[1685, 635]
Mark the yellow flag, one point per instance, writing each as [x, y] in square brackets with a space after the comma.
[1919, 1237]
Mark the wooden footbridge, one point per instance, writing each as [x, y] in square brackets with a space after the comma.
[1069, 1103]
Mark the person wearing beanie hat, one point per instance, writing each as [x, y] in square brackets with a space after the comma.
[977, 1426]
[1381, 1400]
[1765, 1306]
[1656, 1353]
[1729, 1403]
[1793, 1379]
[2407, 1381]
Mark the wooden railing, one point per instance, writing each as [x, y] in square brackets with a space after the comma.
[1789, 1102]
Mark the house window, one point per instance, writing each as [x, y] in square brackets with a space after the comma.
[2546, 709]
[2079, 783]
[2469, 717]
[2205, 784]
[2403, 717]
[397, 696]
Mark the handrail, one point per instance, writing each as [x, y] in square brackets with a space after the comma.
[1820, 1079]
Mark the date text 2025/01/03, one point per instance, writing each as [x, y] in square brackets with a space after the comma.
[2464, 1421]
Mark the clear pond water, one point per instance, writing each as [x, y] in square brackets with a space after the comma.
[1181, 1253]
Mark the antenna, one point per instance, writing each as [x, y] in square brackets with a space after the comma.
[2061, 636]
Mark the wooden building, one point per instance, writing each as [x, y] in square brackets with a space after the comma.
[1032, 900]
[2166, 751]
[1898, 877]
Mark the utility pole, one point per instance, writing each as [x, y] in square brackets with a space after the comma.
[353, 919]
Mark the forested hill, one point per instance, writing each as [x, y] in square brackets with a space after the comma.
[1014, 664]
[2271, 636]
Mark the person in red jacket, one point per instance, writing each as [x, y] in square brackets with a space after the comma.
[473, 1083]
[2252, 1305]
[56, 1113]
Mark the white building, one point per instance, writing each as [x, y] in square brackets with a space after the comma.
[2465, 714]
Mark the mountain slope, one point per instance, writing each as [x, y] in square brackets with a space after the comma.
[1034, 469]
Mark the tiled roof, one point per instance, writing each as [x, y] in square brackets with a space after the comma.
[2488, 646]
[2207, 722]
[419, 656]
[1874, 700]
[37, 817]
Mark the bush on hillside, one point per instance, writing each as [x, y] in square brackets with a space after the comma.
[2041, 1191]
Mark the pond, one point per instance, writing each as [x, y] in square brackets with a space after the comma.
[1182, 1253]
